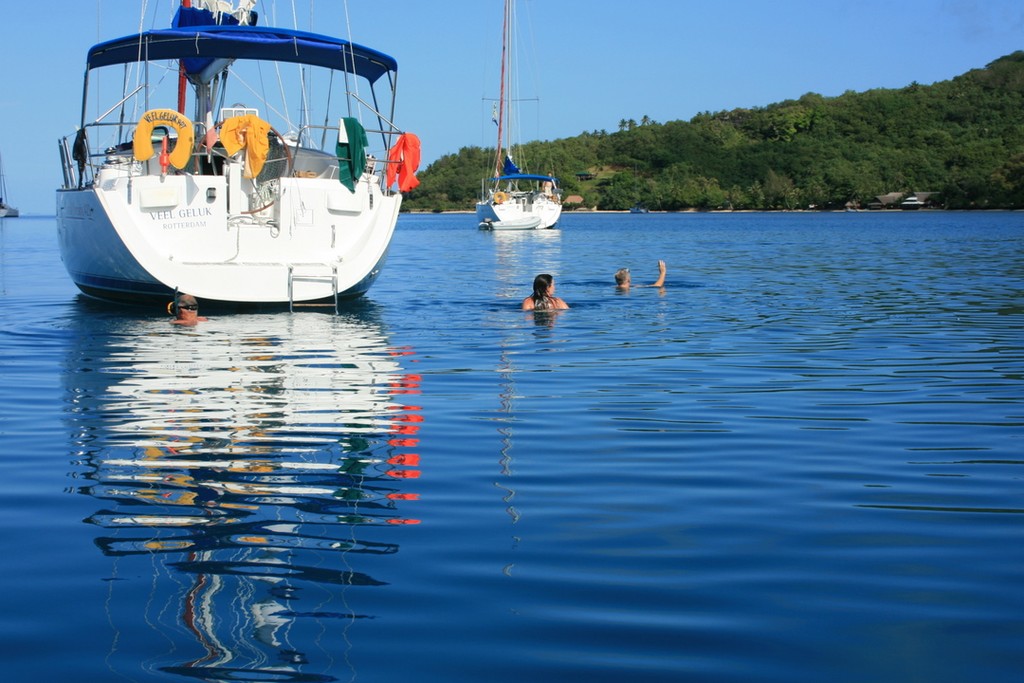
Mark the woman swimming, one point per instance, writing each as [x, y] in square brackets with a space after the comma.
[543, 297]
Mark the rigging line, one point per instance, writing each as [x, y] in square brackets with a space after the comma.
[277, 71]
[535, 72]
[327, 109]
[515, 126]
[142, 14]
[354, 87]
[304, 85]
[251, 89]
[280, 87]
[138, 62]
[372, 107]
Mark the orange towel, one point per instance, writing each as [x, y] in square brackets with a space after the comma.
[247, 132]
[404, 160]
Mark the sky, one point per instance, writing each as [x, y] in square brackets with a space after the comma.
[586, 64]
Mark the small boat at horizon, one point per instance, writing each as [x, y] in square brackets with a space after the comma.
[6, 211]
[272, 199]
[513, 196]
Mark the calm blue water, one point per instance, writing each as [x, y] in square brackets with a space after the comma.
[800, 462]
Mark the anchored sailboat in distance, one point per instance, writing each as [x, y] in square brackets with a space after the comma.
[514, 199]
[6, 211]
[252, 200]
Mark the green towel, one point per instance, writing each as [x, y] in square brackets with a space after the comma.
[352, 153]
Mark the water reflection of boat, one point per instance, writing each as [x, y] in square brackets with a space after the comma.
[514, 252]
[240, 469]
[547, 242]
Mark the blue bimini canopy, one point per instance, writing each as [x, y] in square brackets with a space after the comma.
[526, 176]
[243, 42]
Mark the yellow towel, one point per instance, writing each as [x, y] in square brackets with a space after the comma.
[247, 132]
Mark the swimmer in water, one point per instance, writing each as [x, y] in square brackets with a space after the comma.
[622, 279]
[185, 310]
[543, 297]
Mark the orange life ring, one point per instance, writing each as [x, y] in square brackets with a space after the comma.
[500, 197]
[142, 141]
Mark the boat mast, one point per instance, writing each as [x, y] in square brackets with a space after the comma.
[181, 71]
[502, 96]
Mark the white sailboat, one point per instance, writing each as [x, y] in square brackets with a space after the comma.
[513, 199]
[6, 211]
[252, 200]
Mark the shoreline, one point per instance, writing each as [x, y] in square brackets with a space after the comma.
[627, 211]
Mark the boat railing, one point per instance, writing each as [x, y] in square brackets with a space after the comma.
[76, 159]
[80, 160]
[65, 162]
[375, 155]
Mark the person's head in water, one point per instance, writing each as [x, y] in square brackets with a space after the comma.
[543, 286]
[623, 281]
[543, 297]
[622, 277]
[185, 309]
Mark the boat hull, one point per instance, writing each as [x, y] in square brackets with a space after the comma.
[140, 238]
[520, 211]
[221, 204]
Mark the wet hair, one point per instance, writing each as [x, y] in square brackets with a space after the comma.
[541, 284]
[621, 275]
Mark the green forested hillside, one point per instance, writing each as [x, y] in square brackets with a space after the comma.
[962, 139]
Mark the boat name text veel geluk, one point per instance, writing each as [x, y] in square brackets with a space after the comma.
[181, 214]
